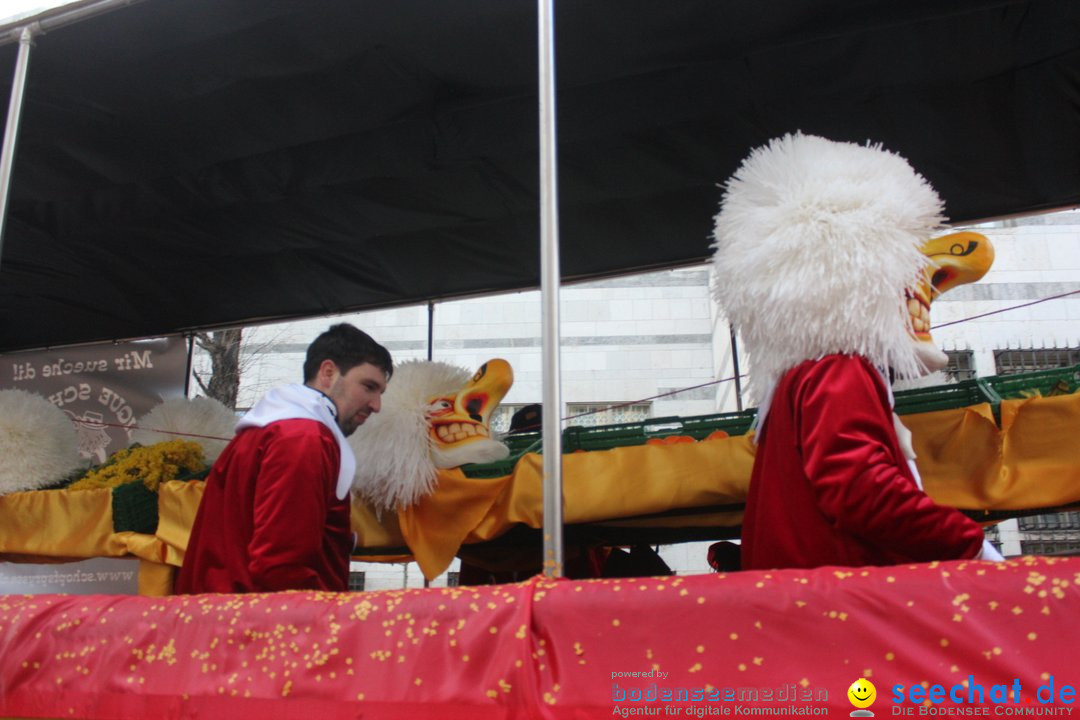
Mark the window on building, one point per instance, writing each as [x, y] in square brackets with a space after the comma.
[592, 414]
[1050, 534]
[453, 578]
[1050, 547]
[1012, 362]
[500, 419]
[356, 581]
[1053, 521]
[993, 535]
[961, 365]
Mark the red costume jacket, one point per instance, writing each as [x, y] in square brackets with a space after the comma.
[270, 518]
[831, 485]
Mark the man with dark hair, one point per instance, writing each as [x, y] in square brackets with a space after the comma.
[275, 510]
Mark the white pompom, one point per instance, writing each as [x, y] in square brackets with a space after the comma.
[38, 442]
[201, 420]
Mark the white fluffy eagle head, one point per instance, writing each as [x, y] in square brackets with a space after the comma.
[434, 415]
[825, 247]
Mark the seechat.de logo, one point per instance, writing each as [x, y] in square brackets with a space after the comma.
[862, 695]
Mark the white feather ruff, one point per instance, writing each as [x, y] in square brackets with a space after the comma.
[815, 243]
[394, 465]
[200, 420]
[38, 442]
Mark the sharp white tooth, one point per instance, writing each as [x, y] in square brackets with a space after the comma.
[913, 307]
[455, 428]
[481, 430]
[442, 432]
[469, 429]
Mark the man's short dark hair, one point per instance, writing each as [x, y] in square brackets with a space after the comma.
[347, 346]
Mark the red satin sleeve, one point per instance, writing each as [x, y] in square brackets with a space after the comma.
[847, 436]
[297, 479]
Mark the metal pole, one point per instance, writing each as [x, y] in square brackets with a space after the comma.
[11, 131]
[430, 330]
[549, 293]
[58, 17]
[735, 367]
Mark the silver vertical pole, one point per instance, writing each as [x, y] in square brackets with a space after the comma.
[549, 292]
[430, 330]
[735, 367]
[11, 131]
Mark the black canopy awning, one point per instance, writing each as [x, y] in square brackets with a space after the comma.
[197, 163]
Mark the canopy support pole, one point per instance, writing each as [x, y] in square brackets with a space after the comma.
[430, 330]
[11, 130]
[549, 293]
[735, 367]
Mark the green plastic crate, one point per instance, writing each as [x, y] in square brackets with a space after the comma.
[939, 397]
[1042, 383]
[946, 397]
[606, 437]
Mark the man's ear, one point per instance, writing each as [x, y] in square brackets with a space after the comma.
[326, 375]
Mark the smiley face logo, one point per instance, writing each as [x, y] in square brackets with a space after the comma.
[862, 693]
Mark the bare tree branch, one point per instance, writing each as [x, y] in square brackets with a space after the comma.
[223, 347]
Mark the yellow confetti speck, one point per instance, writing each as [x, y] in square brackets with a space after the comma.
[742, 667]
[944, 642]
[700, 648]
[734, 636]
[890, 656]
[1031, 636]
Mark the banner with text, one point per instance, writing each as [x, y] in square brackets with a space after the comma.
[103, 388]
